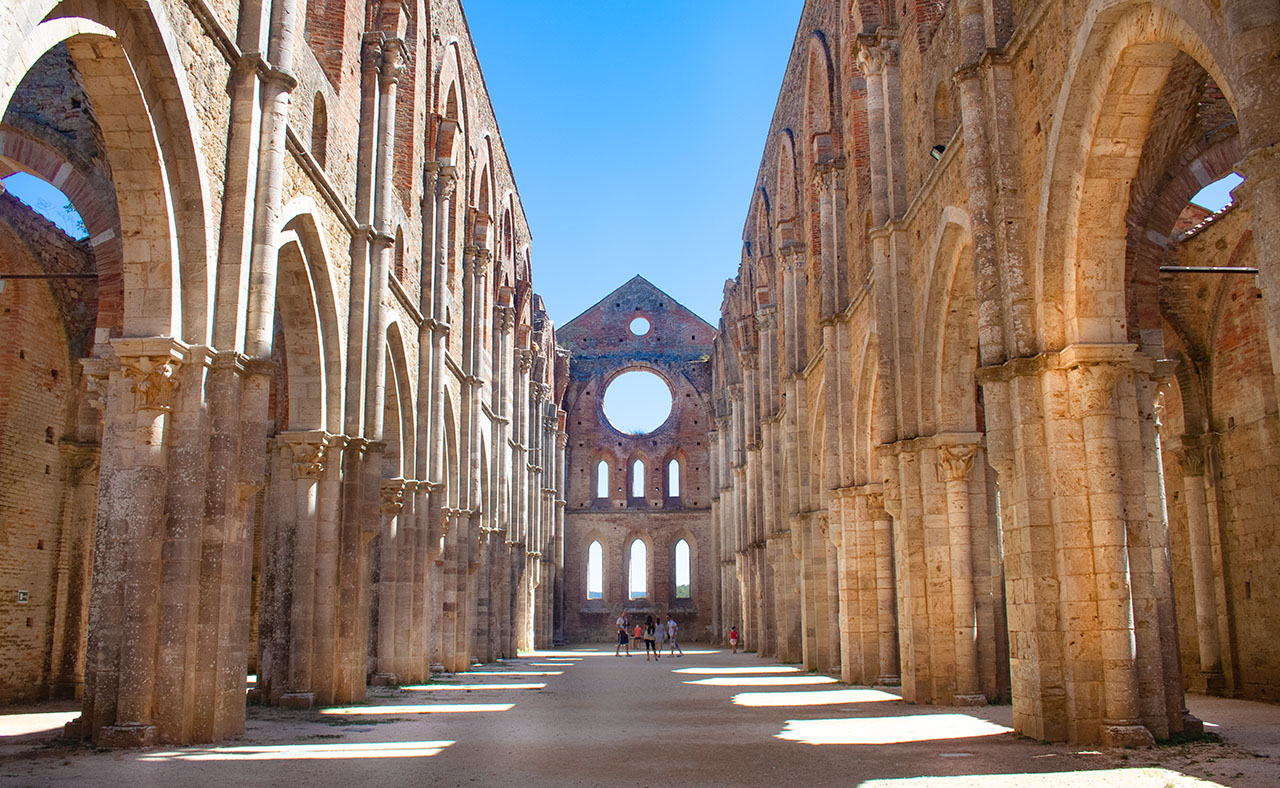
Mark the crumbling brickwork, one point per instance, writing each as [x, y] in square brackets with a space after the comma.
[601, 346]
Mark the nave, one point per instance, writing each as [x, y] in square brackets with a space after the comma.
[583, 717]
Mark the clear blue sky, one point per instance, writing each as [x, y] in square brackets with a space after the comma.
[635, 131]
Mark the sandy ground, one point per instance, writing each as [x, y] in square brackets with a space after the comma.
[585, 718]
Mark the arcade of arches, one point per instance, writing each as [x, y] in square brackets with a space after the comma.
[990, 412]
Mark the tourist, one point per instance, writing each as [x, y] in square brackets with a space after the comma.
[650, 632]
[623, 640]
[733, 638]
[638, 634]
[673, 631]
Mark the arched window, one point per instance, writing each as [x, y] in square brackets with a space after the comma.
[637, 479]
[595, 571]
[673, 479]
[638, 576]
[602, 480]
[319, 130]
[684, 582]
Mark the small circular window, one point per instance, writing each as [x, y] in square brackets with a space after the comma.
[640, 326]
[637, 402]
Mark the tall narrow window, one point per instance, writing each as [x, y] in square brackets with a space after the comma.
[602, 480]
[638, 576]
[637, 479]
[595, 571]
[682, 570]
[673, 479]
[319, 130]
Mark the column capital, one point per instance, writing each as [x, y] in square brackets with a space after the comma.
[391, 496]
[504, 317]
[152, 364]
[525, 355]
[309, 451]
[956, 461]
[539, 391]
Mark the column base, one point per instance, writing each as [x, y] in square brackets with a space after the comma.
[74, 730]
[297, 700]
[384, 680]
[436, 667]
[131, 735]
[889, 681]
[1215, 683]
[1126, 736]
[1191, 724]
[969, 700]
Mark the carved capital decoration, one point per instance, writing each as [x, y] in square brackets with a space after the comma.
[540, 392]
[447, 182]
[956, 462]
[875, 504]
[526, 359]
[1191, 458]
[97, 373]
[308, 452]
[391, 494]
[1093, 386]
[504, 317]
[154, 379]
[393, 63]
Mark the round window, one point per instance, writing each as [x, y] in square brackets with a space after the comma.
[637, 402]
[640, 326]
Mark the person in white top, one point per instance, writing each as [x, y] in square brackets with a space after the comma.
[624, 641]
[672, 630]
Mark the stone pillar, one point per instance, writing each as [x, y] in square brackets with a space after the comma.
[1093, 387]
[886, 590]
[125, 598]
[957, 464]
[393, 588]
[308, 454]
[1192, 458]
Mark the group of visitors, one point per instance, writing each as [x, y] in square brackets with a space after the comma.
[653, 632]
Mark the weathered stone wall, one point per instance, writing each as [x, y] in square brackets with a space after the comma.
[275, 260]
[949, 302]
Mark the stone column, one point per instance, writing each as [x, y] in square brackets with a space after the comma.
[886, 590]
[308, 452]
[1192, 459]
[128, 562]
[1093, 387]
[393, 588]
[957, 464]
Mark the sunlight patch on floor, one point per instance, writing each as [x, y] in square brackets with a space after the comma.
[512, 673]
[301, 752]
[814, 698]
[24, 724]
[762, 681]
[1104, 778]
[890, 730]
[743, 670]
[471, 687]
[424, 708]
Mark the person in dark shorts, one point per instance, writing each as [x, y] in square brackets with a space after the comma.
[624, 640]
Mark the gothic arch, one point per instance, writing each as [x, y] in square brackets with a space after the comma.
[129, 62]
[1095, 144]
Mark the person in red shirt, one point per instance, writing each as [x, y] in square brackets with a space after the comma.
[733, 638]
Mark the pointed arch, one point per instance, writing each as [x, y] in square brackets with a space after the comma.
[130, 65]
